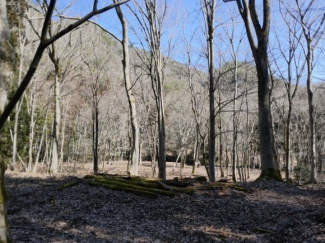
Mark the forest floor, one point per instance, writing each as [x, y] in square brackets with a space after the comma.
[39, 210]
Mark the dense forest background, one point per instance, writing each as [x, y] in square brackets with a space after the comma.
[76, 107]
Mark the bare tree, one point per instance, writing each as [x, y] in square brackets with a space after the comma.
[210, 7]
[197, 100]
[44, 43]
[312, 24]
[234, 50]
[94, 85]
[259, 46]
[151, 21]
[135, 149]
[288, 47]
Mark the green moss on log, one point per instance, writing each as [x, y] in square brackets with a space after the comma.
[189, 191]
[178, 183]
[238, 188]
[135, 187]
[70, 184]
[125, 189]
[270, 174]
[143, 183]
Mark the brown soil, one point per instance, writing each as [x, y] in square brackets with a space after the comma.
[39, 211]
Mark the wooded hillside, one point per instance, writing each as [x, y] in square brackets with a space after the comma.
[228, 86]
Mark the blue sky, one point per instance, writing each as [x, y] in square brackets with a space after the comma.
[186, 18]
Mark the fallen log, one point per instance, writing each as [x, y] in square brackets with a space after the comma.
[179, 183]
[70, 184]
[135, 187]
[164, 186]
[143, 182]
[125, 189]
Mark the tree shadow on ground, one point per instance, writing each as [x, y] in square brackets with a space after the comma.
[40, 212]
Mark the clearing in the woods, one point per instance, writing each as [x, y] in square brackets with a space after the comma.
[67, 208]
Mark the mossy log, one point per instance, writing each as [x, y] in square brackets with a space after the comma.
[221, 185]
[136, 182]
[135, 187]
[238, 188]
[70, 184]
[210, 186]
[164, 186]
[141, 182]
[179, 183]
[200, 178]
[125, 189]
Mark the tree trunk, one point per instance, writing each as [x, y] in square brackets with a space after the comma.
[22, 42]
[210, 7]
[135, 149]
[234, 123]
[41, 141]
[196, 150]
[5, 57]
[264, 122]
[95, 135]
[56, 123]
[156, 75]
[15, 134]
[288, 139]
[259, 51]
[312, 144]
[31, 131]
[222, 174]
[63, 127]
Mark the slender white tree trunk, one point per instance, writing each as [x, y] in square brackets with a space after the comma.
[135, 152]
[63, 127]
[56, 126]
[41, 141]
[310, 94]
[234, 122]
[31, 131]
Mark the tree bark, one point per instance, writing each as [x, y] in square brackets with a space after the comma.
[234, 122]
[310, 94]
[41, 141]
[95, 134]
[5, 59]
[135, 149]
[259, 51]
[209, 8]
[31, 130]
[157, 80]
[56, 121]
